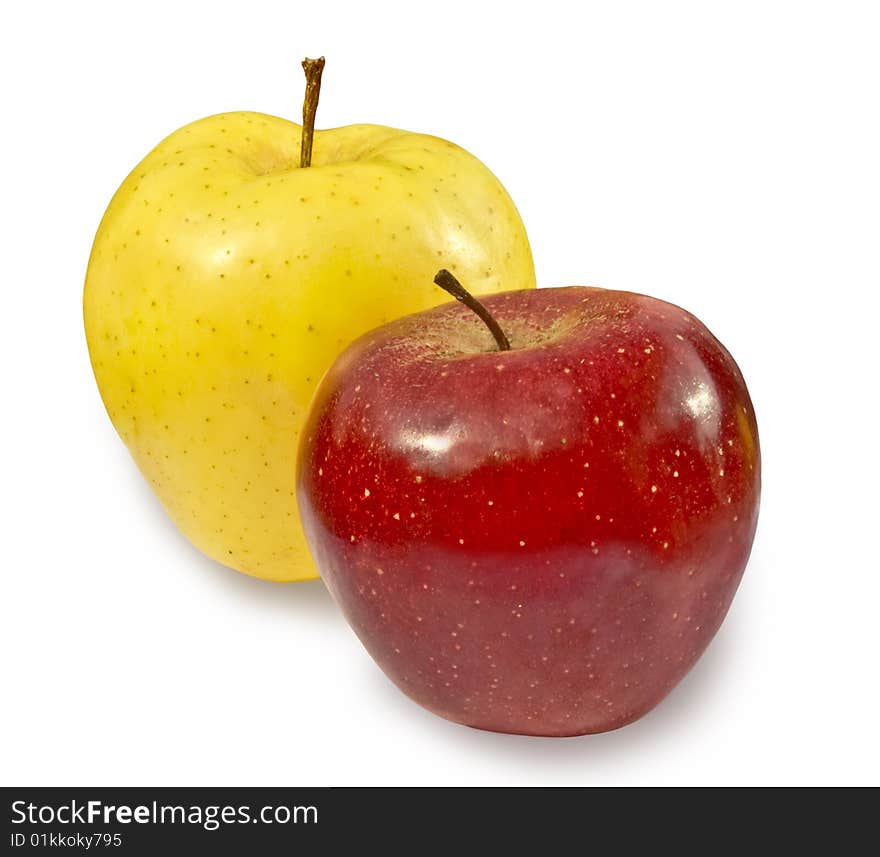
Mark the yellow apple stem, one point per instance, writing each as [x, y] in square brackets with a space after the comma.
[448, 283]
[313, 69]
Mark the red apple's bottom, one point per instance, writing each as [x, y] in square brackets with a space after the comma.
[576, 645]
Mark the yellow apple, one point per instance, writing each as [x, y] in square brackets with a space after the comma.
[225, 278]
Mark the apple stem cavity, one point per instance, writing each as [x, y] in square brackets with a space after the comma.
[313, 70]
[448, 283]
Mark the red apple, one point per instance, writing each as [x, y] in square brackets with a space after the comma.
[541, 540]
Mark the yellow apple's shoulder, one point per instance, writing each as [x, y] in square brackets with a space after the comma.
[236, 128]
[449, 181]
[409, 150]
[243, 142]
[223, 147]
[427, 153]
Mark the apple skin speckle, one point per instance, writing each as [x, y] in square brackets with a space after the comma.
[581, 580]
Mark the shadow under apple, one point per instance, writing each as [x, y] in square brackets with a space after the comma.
[670, 721]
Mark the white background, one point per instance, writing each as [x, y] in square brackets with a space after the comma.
[724, 156]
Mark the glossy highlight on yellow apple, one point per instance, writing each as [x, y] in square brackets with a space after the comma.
[225, 278]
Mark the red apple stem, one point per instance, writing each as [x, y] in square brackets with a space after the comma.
[313, 70]
[448, 283]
